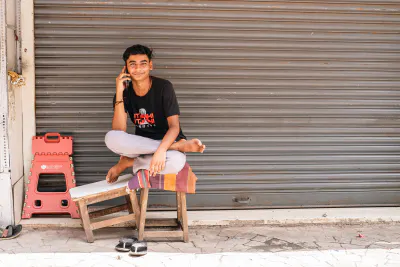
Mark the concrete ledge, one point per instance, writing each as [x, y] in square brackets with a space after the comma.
[252, 217]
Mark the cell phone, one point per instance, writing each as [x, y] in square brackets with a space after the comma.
[126, 82]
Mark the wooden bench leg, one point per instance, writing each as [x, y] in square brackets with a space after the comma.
[184, 217]
[86, 221]
[178, 207]
[135, 207]
[129, 203]
[144, 195]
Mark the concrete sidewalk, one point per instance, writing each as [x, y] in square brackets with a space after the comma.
[307, 245]
[252, 217]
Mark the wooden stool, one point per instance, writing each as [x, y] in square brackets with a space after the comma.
[181, 221]
[101, 191]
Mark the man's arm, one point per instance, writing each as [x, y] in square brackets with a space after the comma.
[172, 133]
[158, 162]
[120, 116]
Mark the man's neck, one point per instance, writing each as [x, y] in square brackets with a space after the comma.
[142, 87]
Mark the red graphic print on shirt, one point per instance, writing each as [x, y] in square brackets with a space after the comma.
[143, 120]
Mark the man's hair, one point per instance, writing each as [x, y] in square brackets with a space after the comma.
[138, 50]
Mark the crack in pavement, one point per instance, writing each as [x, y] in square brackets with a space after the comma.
[375, 243]
[16, 241]
[276, 243]
[219, 232]
[168, 244]
[318, 246]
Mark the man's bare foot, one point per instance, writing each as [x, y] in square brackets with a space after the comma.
[193, 145]
[117, 169]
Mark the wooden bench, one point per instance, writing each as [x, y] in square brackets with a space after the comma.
[100, 191]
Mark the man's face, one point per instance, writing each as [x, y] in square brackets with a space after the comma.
[139, 67]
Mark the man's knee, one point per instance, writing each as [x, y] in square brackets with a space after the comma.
[177, 161]
[110, 139]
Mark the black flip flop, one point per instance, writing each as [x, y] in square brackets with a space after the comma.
[138, 248]
[125, 243]
[11, 232]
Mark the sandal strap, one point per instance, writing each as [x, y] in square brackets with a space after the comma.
[7, 232]
[125, 244]
[127, 240]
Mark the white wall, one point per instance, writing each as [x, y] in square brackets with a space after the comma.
[6, 208]
[15, 119]
[28, 71]
[11, 180]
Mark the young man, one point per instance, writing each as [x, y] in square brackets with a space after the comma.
[159, 143]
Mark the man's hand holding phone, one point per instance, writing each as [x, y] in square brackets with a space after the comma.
[121, 79]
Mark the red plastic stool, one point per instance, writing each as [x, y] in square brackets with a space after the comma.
[51, 156]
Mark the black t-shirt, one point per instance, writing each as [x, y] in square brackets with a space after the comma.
[149, 113]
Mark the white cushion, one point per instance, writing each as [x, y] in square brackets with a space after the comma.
[99, 187]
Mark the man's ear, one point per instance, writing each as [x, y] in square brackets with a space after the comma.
[151, 64]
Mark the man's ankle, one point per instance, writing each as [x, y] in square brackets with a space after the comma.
[176, 145]
[128, 162]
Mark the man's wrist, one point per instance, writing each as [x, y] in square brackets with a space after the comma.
[161, 150]
[119, 93]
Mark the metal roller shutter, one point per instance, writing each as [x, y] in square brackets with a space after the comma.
[297, 101]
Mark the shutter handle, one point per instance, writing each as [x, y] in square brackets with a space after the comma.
[241, 200]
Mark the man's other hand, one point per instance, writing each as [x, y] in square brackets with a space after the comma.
[158, 162]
